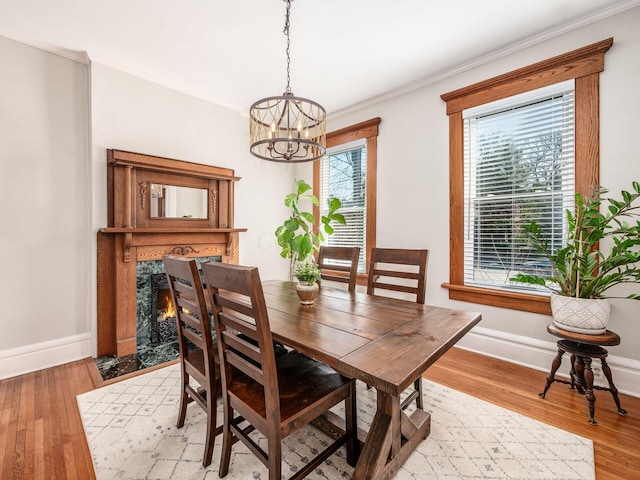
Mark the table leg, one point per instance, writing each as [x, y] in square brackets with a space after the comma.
[612, 388]
[552, 374]
[577, 373]
[588, 381]
[392, 437]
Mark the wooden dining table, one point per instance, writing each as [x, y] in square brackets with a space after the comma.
[385, 342]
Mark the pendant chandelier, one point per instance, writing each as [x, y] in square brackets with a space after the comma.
[287, 128]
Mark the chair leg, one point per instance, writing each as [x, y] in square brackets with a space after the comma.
[274, 462]
[351, 426]
[211, 426]
[227, 441]
[418, 386]
[184, 401]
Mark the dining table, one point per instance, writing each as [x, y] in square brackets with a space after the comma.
[385, 342]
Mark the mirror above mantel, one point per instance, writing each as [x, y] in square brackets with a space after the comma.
[172, 201]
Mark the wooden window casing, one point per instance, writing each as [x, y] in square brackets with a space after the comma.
[584, 66]
[369, 131]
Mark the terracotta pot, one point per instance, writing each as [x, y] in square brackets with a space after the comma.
[580, 315]
[306, 292]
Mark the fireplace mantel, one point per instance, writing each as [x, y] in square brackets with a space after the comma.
[149, 237]
[136, 233]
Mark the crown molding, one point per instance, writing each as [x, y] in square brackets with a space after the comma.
[490, 57]
[75, 55]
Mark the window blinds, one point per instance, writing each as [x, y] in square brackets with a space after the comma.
[519, 167]
[343, 174]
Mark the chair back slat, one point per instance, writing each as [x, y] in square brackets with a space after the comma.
[381, 271]
[235, 305]
[243, 344]
[195, 338]
[245, 366]
[188, 319]
[241, 321]
[339, 264]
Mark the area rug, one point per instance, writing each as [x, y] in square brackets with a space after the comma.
[130, 427]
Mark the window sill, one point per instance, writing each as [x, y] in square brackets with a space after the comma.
[499, 298]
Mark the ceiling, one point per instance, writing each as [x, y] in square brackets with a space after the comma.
[343, 52]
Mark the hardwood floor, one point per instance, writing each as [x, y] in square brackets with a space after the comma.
[41, 435]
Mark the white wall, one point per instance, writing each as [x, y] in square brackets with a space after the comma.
[45, 198]
[413, 176]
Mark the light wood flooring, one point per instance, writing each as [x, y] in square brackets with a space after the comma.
[41, 434]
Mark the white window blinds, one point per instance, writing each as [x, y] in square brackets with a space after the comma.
[519, 167]
[343, 174]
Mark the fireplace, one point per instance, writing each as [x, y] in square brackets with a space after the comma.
[155, 314]
[138, 236]
[162, 312]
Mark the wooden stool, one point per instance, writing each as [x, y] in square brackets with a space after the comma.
[583, 348]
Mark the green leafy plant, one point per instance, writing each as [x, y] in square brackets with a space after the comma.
[308, 272]
[580, 268]
[296, 236]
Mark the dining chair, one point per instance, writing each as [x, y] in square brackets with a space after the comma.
[405, 271]
[339, 264]
[275, 396]
[198, 351]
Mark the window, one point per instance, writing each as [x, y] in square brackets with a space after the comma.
[518, 167]
[499, 176]
[343, 175]
[348, 173]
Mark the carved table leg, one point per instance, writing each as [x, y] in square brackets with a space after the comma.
[612, 388]
[588, 380]
[552, 374]
[577, 373]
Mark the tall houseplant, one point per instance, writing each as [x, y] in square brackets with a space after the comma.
[582, 269]
[296, 236]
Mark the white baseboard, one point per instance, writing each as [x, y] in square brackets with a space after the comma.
[30, 358]
[538, 354]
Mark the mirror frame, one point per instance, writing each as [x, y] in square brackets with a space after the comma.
[129, 179]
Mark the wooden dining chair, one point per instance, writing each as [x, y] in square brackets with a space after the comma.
[275, 396]
[198, 352]
[405, 271]
[339, 264]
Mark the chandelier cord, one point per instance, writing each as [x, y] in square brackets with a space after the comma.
[286, 32]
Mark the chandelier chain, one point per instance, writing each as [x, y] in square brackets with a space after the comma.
[286, 32]
[286, 128]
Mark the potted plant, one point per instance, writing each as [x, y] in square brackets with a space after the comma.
[308, 275]
[296, 236]
[581, 272]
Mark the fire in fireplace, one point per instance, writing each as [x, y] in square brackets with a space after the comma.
[162, 324]
[156, 324]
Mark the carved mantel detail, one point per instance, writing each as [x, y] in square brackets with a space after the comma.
[214, 199]
[144, 191]
[184, 250]
[133, 235]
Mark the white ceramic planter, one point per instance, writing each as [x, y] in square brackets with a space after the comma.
[580, 315]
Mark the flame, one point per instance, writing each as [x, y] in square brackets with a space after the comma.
[168, 311]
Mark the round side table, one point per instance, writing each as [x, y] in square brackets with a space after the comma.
[583, 348]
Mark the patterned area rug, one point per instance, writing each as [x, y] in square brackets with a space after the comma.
[130, 427]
